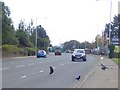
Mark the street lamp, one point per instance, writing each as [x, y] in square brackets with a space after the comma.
[110, 20]
[36, 37]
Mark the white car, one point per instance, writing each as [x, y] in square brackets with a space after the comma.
[79, 54]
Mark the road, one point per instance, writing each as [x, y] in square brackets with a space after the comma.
[32, 72]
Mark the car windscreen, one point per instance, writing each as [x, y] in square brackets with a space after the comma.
[79, 51]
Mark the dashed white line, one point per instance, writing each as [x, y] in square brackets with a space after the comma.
[31, 64]
[20, 66]
[12, 62]
[4, 68]
[62, 64]
[101, 58]
[41, 71]
[23, 77]
[33, 74]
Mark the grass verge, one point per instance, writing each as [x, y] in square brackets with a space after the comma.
[116, 60]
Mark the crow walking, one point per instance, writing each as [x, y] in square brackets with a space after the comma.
[51, 70]
[103, 67]
[78, 78]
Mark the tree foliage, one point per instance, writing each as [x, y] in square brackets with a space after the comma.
[25, 35]
[8, 31]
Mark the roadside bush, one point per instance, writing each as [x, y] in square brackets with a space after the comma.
[30, 51]
[116, 55]
[10, 49]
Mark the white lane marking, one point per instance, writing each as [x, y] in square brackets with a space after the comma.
[4, 68]
[12, 62]
[31, 64]
[33, 74]
[20, 66]
[41, 71]
[101, 58]
[62, 64]
[23, 77]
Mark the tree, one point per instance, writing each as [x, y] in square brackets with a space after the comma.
[71, 45]
[8, 31]
[23, 35]
[43, 39]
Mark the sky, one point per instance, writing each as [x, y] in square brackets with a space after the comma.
[65, 20]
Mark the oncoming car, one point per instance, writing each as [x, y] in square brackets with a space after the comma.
[79, 54]
[41, 53]
[58, 52]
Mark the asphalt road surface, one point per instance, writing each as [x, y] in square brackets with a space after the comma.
[32, 72]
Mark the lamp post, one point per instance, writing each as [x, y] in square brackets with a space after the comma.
[110, 20]
[36, 37]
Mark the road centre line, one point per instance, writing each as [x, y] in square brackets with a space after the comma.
[31, 64]
[20, 66]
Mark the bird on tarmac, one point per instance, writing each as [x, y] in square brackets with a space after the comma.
[78, 78]
[51, 70]
[103, 67]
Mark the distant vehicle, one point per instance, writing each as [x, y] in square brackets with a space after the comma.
[58, 52]
[79, 54]
[41, 53]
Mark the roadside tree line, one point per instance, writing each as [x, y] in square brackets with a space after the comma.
[21, 40]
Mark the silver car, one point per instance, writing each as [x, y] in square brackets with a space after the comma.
[79, 54]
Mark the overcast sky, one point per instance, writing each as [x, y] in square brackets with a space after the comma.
[65, 20]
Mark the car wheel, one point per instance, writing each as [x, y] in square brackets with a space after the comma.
[84, 59]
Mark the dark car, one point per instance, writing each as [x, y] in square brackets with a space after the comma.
[58, 52]
[79, 54]
[41, 53]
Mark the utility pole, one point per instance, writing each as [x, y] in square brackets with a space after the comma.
[36, 37]
[110, 22]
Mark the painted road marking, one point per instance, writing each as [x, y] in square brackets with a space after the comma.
[23, 77]
[12, 62]
[4, 68]
[101, 58]
[62, 64]
[31, 64]
[41, 71]
[20, 66]
[33, 74]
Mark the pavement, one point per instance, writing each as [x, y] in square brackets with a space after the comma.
[98, 78]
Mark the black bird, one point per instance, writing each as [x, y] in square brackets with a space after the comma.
[103, 67]
[51, 70]
[78, 78]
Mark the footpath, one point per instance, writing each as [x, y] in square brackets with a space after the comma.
[98, 78]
